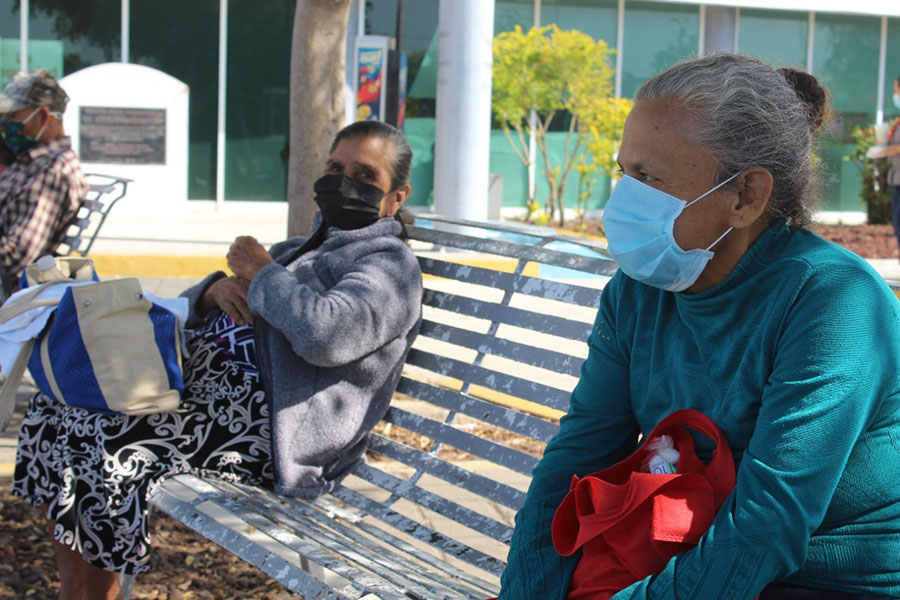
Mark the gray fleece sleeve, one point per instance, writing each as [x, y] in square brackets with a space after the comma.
[377, 298]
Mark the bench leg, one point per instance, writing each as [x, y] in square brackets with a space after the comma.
[126, 585]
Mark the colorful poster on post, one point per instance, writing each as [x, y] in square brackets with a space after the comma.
[371, 72]
[401, 92]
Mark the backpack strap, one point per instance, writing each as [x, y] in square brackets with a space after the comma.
[11, 385]
[27, 301]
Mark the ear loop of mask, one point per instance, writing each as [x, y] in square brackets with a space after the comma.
[702, 196]
[40, 132]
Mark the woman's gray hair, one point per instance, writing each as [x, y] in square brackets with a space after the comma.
[746, 114]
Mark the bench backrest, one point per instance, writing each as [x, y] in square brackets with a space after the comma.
[506, 319]
[103, 193]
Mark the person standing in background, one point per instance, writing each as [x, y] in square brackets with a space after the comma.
[42, 190]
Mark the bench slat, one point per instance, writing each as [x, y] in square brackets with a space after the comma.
[390, 572]
[558, 326]
[463, 478]
[533, 286]
[517, 351]
[290, 575]
[443, 574]
[431, 501]
[421, 532]
[486, 449]
[495, 380]
[482, 410]
[589, 264]
[249, 511]
[387, 559]
[333, 544]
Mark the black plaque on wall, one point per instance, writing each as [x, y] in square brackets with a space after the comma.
[132, 136]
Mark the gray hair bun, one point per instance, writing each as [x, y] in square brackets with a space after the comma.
[813, 95]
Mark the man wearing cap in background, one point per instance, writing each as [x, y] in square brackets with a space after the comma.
[42, 190]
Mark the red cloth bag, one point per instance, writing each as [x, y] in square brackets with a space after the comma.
[629, 523]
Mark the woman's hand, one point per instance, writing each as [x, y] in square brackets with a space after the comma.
[246, 257]
[229, 294]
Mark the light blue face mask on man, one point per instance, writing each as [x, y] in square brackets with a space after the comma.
[897, 100]
[639, 221]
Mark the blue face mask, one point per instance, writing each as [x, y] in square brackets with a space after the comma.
[13, 134]
[639, 221]
[897, 100]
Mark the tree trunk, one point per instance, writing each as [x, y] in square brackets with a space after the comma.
[316, 101]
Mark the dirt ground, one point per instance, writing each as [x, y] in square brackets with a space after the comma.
[187, 567]
[869, 241]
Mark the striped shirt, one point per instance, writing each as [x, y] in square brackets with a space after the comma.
[40, 194]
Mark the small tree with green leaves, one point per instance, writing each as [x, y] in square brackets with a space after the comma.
[558, 73]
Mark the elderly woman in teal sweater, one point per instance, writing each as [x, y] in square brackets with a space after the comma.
[727, 304]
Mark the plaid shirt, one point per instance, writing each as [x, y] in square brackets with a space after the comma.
[40, 194]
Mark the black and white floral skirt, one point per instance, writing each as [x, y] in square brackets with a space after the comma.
[93, 473]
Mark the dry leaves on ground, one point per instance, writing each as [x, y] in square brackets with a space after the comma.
[185, 566]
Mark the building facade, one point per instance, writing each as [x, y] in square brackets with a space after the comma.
[245, 45]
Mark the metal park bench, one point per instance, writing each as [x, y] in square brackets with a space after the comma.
[103, 193]
[506, 317]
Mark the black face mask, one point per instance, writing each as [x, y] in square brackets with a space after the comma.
[347, 203]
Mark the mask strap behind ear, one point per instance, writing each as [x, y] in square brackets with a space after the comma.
[719, 239]
[31, 116]
[712, 190]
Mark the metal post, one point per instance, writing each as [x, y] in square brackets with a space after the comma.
[23, 35]
[620, 46]
[126, 30]
[701, 42]
[463, 120]
[718, 28]
[810, 42]
[882, 68]
[392, 110]
[737, 29]
[223, 80]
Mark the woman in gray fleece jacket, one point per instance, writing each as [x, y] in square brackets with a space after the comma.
[292, 360]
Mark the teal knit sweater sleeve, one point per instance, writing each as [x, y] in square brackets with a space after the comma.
[833, 367]
[598, 431]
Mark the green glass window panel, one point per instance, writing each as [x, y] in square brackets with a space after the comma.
[892, 66]
[509, 13]
[9, 19]
[420, 21]
[163, 33]
[656, 37]
[381, 17]
[256, 121]
[420, 44]
[597, 18]
[845, 58]
[90, 32]
[423, 71]
[9, 40]
[420, 135]
[777, 36]
[841, 179]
